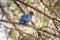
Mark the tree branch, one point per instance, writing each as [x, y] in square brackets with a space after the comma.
[18, 6]
[49, 16]
[21, 9]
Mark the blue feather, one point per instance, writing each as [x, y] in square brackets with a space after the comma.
[25, 17]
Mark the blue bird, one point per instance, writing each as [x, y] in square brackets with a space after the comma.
[26, 18]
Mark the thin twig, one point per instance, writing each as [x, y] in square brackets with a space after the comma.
[21, 9]
[49, 16]
[18, 6]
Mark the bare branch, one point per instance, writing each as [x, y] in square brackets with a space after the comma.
[18, 6]
[21, 9]
[4, 12]
[49, 16]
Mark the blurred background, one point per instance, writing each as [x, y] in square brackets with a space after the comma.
[45, 24]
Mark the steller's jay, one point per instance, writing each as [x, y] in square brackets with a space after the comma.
[26, 18]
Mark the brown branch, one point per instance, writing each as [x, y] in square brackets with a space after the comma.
[55, 24]
[53, 12]
[4, 12]
[56, 27]
[42, 30]
[15, 28]
[50, 28]
[7, 21]
[51, 33]
[40, 36]
[20, 32]
[21, 9]
[13, 22]
[49, 7]
[18, 6]
[45, 4]
[33, 28]
[49, 16]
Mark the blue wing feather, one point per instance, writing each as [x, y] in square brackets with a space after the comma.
[26, 17]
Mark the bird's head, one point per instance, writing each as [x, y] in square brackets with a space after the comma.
[31, 13]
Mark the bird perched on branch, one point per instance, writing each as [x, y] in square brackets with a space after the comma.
[26, 18]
